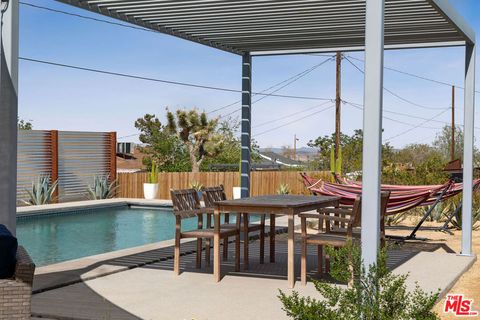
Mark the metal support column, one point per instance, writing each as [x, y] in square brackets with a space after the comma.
[468, 149]
[8, 113]
[372, 130]
[246, 124]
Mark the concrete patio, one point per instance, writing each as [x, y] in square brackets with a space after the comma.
[138, 283]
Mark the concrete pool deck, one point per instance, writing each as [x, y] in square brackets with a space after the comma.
[90, 204]
[143, 285]
[138, 283]
[152, 291]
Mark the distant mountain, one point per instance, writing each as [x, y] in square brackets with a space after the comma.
[302, 150]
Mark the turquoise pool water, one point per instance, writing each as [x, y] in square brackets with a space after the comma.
[55, 238]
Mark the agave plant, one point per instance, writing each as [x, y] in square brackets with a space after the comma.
[283, 189]
[196, 185]
[102, 188]
[395, 219]
[42, 191]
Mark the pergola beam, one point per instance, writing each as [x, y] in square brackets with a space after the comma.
[8, 116]
[246, 125]
[372, 131]
[227, 24]
[469, 115]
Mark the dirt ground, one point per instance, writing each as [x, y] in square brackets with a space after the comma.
[469, 283]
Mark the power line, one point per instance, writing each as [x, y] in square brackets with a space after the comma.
[360, 107]
[155, 31]
[416, 75]
[293, 121]
[290, 115]
[393, 93]
[413, 128]
[409, 115]
[186, 84]
[397, 113]
[287, 81]
[130, 135]
[270, 121]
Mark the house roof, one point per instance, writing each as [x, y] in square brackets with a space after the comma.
[133, 162]
[289, 26]
[278, 158]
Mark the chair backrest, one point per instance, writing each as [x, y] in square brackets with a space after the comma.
[356, 216]
[384, 197]
[213, 194]
[357, 208]
[185, 202]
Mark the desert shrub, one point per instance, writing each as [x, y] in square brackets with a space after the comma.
[375, 293]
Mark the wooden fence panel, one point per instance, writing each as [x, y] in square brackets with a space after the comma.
[262, 182]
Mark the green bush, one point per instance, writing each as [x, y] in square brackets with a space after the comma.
[374, 294]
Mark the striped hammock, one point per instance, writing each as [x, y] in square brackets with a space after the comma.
[402, 198]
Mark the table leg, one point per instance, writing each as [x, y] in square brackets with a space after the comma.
[291, 250]
[245, 241]
[216, 245]
[272, 238]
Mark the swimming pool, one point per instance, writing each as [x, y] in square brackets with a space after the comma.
[57, 237]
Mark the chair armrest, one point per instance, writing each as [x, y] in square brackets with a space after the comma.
[335, 211]
[25, 268]
[323, 216]
[193, 213]
[310, 215]
[333, 218]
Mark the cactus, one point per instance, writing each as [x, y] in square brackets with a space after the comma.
[336, 165]
[153, 175]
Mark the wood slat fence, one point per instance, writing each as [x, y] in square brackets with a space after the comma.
[262, 182]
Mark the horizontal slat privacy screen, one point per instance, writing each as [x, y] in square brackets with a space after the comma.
[81, 157]
[33, 159]
[72, 158]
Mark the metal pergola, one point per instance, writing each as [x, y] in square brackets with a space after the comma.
[274, 27]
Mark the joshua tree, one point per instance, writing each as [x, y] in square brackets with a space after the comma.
[197, 133]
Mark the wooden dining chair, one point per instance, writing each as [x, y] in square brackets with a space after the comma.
[338, 227]
[186, 204]
[217, 193]
[341, 226]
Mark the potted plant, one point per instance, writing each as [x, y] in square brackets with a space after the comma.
[237, 191]
[150, 189]
[198, 187]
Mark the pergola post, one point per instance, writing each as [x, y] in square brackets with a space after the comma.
[9, 114]
[246, 124]
[468, 149]
[372, 130]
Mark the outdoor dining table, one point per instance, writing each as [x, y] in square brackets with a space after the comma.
[289, 205]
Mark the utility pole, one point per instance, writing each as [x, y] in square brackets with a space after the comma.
[295, 139]
[338, 102]
[452, 147]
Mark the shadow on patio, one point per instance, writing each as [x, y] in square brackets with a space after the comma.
[69, 295]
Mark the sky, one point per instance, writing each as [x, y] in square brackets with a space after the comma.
[64, 99]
